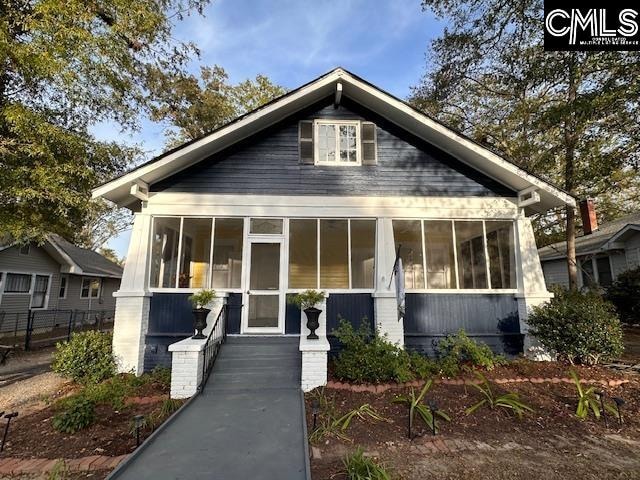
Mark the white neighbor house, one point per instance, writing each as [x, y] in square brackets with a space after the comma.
[316, 189]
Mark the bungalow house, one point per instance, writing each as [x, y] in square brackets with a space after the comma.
[317, 190]
[602, 252]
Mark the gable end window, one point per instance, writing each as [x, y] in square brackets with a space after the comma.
[25, 249]
[337, 142]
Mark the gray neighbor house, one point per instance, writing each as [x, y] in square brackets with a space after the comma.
[602, 252]
[56, 276]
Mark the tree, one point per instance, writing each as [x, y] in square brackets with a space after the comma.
[66, 65]
[110, 254]
[570, 117]
[103, 220]
[196, 106]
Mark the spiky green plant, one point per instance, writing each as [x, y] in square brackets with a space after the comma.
[359, 467]
[336, 426]
[510, 401]
[588, 400]
[416, 405]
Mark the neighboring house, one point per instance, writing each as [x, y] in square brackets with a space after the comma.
[317, 189]
[56, 275]
[602, 253]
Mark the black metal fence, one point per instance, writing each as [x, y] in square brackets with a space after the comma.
[40, 328]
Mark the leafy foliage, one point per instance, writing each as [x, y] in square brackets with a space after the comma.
[161, 376]
[308, 299]
[458, 350]
[510, 401]
[588, 400]
[196, 106]
[86, 358]
[369, 358]
[624, 293]
[336, 425]
[567, 116]
[580, 326]
[202, 298]
[416, 405]
[76, 413]
[359, 467]
[68, 65]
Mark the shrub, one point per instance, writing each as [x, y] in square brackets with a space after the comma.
[86, 358]
[369, 358]
[75, 413]
[308, 299]
[112, 391]
[579, 326]
[459, 349]
[423, 367]
[624, 293]
[161, 376]
[359, 467]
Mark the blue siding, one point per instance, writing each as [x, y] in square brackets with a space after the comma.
[170, 313]
[355, 308]
[490, 318]
[267, 163]
[292, 319]
[234, 312]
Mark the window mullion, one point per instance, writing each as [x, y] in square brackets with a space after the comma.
[486, 254]
[424, 256]
[177, 283]
[349, 250]
[211, 245]
[318, 253]
[455, 252]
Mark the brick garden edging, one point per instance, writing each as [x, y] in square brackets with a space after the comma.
[379, 388]
[15, 466]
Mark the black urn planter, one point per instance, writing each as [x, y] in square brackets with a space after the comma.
[200, 322]
[312, 321]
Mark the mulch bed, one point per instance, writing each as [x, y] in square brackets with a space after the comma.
[33, 436]
[554, 406]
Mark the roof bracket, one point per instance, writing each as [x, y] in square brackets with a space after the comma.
[528, 196]
[140, 190]
[338, 96]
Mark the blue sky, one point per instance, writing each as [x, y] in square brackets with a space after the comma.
[292, 42]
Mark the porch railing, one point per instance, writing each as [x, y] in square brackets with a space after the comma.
[216, 338]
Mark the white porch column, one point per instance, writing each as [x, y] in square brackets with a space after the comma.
[385, 303]
[532, 290]
[133, 300]
[314, 352]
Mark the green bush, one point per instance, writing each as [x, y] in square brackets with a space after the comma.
[579, 326]
[75, 413]
[459, 350]
[161, 376]
[87, 358]
[114, 391]
[369, 358]
[624, 293]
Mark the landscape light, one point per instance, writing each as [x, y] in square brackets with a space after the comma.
[434, 408]
[601, 395]
[8, 416]
[315, 408]
[619, 403]
[138, 422]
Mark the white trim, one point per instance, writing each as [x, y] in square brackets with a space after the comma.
[90, 277]
[337, 123]
[394, 110]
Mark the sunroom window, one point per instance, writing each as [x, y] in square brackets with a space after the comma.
[338, 143]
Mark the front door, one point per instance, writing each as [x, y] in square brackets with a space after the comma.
[264, 298]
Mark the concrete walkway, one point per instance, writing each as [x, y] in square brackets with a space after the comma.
[247, 424]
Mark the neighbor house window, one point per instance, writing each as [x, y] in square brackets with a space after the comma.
[331, 253]
[338, 142]
[17, 283]
[40, 289]
[588, 275]
[605, 277]
[90, 288]
[454, 253]
[227, 253]
[62, 292]
[25, 249]
[196, 253]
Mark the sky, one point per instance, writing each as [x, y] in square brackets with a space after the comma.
[292, 42]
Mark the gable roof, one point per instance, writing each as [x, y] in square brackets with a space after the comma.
[384, 104]
[82, 261]
[598, 241]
